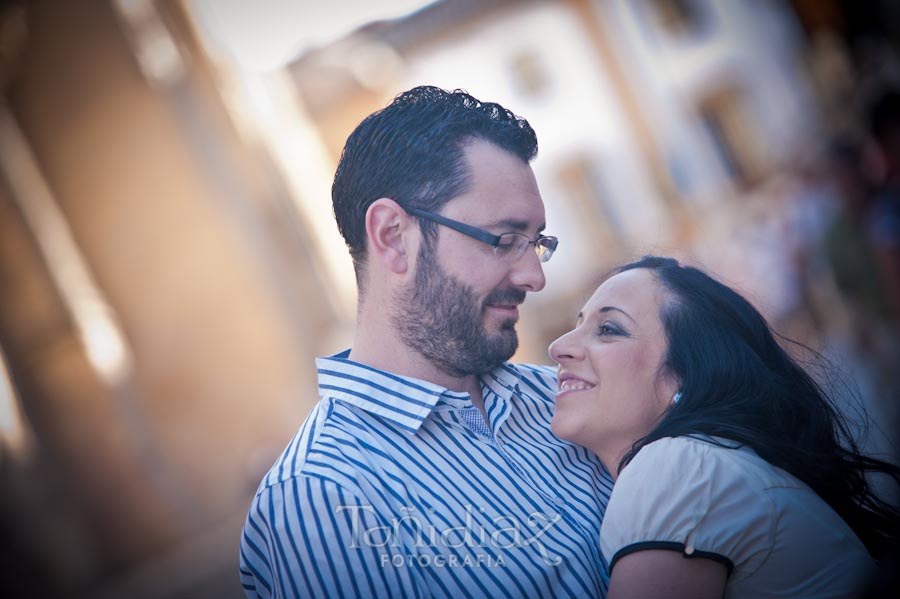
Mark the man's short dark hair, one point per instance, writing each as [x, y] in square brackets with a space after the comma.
[412, 152]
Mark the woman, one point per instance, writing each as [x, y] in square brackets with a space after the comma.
[724, 450]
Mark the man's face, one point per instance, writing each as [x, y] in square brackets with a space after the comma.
[461, 308]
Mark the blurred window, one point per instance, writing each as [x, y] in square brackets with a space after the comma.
[679, 17]
[582, 180]
[530, 73]
[731, 132]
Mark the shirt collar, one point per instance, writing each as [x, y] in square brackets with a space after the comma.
[498, 388]
[404, 400]
[503, 380]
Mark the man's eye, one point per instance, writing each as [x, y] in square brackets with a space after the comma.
[506, 245]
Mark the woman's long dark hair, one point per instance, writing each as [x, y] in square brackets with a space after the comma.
[737, 382]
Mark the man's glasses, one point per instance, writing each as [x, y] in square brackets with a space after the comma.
[508, 246]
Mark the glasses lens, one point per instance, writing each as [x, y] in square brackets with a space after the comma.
[545, 246]
[511, 246]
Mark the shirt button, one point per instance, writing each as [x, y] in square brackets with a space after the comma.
[559, 501]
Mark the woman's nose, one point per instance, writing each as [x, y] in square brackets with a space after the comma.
[563, 348]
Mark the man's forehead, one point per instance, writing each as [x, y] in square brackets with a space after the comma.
[501, 191]
[516, 214]
[501, 209]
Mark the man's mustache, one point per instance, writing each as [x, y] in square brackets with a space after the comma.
[505, 296]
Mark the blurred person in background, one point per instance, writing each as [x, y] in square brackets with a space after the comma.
[884, 216]
[724, 450]
[846, 243]
[428, 468]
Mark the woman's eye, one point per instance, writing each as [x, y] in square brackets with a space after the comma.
[607, 329]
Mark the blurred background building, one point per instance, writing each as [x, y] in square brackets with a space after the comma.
[169, 265]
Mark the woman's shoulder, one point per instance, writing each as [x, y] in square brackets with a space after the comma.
[689, 493]
[699, 478]
[693, 474]
[725, 458]
[694, 443]
[683, 453]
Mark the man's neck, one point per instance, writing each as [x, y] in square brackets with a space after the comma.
[376, 344]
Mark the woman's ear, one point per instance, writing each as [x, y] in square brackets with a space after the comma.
[671, 388]
[386, 227]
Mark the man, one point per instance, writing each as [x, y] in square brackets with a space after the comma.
[428, 469]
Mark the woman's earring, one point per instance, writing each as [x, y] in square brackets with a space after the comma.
[677, 397]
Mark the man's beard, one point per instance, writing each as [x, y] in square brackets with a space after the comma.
[440, 317]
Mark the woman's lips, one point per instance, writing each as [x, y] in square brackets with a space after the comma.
[572, 384]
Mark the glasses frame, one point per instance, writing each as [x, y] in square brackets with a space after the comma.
[485, 236]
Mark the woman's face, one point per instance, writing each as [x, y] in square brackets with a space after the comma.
[611, 390]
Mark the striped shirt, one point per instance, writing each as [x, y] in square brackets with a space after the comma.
[396, 487]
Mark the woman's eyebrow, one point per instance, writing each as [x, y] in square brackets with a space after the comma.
[605, 309]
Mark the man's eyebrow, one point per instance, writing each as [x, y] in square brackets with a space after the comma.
[514, 224]
[605, 309]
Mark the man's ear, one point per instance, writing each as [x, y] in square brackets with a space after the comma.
[387, 225]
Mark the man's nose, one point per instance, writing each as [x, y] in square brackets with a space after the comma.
[528, 272]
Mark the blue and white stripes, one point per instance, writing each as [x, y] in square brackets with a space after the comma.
[390, 490]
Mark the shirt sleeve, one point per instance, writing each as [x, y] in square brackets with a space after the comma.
[308, 537]
[688, 495]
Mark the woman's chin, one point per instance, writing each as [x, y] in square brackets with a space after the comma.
[565, 430]
[558, 428]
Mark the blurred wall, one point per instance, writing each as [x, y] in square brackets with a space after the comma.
[188, 245]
